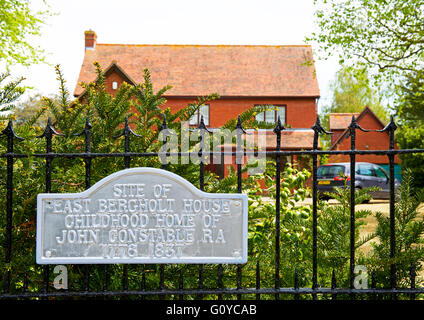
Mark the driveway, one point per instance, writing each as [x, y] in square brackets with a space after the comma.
[382, 206]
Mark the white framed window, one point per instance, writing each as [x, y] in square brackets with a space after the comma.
[202, 111]
[271, 116]
[114, 85]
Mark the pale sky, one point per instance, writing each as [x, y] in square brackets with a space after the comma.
[253, 22]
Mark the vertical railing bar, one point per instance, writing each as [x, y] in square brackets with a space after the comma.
[412, 274]
[296, 284]
[46, 273]
[127, 163]
[333, 284]
[258, 280]
[392, 208]
[200, 285]
[203, 129]
[314, 214]
[220, 282]
[164, 130]
[391, 127]
[87, 159]
[87, 163]
[143, 281]
[125, 278]
[127, 159]
[277, 131]
[25, 286]
[352, 127]
[352, 205]
[48, 133]
[239, 277]
[317, 130]
[86, 277]
[105, 278]
[161, 280]
[239, 160]
[48, 188]
[181, 284]
[10, 134]
[373, 284]
[9, 208]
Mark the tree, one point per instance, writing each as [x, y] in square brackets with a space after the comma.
[9, 93]
[17, 22]
[31, 109]
[410, 117]
[409, 230]
[351, 92]
[410, 106]
[386, 35]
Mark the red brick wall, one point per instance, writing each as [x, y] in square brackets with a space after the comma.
[366, 141]
[300, 112]
[336, 134]
[111, 77]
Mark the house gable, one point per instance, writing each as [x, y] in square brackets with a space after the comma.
[364, 140]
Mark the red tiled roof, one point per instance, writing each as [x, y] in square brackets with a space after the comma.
[297, 139]
[198, 70]
[293, 139]
[340, 121]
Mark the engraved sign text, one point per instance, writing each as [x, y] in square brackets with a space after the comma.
[141, 215]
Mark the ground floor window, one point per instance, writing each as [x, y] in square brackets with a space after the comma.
[271, 115]
[202, 111]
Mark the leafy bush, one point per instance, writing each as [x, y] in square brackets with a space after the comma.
[409, 231]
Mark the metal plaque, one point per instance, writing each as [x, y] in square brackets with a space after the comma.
[141, 215]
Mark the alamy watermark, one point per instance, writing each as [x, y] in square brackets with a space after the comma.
[361, 279]
[61, 280]
[216, 146]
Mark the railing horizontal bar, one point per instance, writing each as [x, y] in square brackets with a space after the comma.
[229, 291]
[234, 153]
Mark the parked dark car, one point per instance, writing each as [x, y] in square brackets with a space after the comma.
[335, 175]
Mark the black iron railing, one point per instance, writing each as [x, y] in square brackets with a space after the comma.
[219, 291]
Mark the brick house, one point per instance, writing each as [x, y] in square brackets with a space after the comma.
[243, 76]
[339, 123]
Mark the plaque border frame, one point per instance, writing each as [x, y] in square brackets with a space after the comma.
[41, 259]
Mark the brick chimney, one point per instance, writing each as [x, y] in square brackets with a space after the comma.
[90, 39]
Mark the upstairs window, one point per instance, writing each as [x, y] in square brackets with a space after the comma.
[202, 111]
[271, 116]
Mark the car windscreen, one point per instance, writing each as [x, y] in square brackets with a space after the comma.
[330, 171]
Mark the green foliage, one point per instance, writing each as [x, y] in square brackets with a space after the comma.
[9, 93]
[107, 114]
[294, 228]
[409, 231]
[31, 111]
[143, 107]
[384, 35]
[410, 106]
[334, 234]
[410, 134]
[17, 22]
[351, 92]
